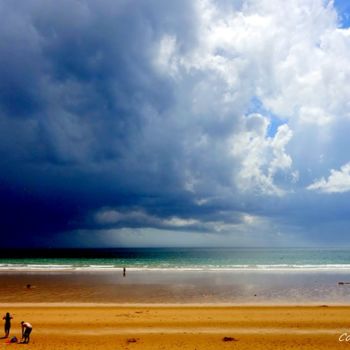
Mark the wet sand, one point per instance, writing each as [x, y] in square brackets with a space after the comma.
[183, 287]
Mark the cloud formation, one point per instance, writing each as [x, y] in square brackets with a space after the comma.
[261, 157]
[205, 119]
[337, 182]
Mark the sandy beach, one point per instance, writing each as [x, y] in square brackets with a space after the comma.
[163, 311]
[181, 327]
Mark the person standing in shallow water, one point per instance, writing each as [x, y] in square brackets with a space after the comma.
[7, 319]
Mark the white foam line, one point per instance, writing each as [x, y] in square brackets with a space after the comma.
[237, 268]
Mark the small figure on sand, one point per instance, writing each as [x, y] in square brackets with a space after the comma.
[7, 319]
[124, 271]
[26, 330]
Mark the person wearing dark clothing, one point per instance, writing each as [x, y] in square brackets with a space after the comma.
[26, 330]
[7, 319]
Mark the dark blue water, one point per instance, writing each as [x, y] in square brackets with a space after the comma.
[178, 258]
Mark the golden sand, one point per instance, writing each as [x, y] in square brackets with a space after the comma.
[116, 327]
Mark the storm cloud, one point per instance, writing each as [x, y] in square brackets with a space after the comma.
[174, 123]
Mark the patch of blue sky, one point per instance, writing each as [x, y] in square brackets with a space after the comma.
[343, 9]
[256, 106]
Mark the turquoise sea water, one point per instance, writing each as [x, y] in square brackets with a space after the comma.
[178, 258]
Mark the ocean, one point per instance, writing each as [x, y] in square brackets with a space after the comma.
[211, 259]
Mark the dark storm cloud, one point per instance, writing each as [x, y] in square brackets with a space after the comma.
[87, 121]
[76, 77]
[82, 71]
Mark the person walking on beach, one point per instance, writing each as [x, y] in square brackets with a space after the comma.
[7, 319]
[26, 330]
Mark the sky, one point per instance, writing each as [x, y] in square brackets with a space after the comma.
[174, 123]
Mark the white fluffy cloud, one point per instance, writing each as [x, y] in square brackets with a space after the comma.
[337, 182]
[292, 58]
[261, 157]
